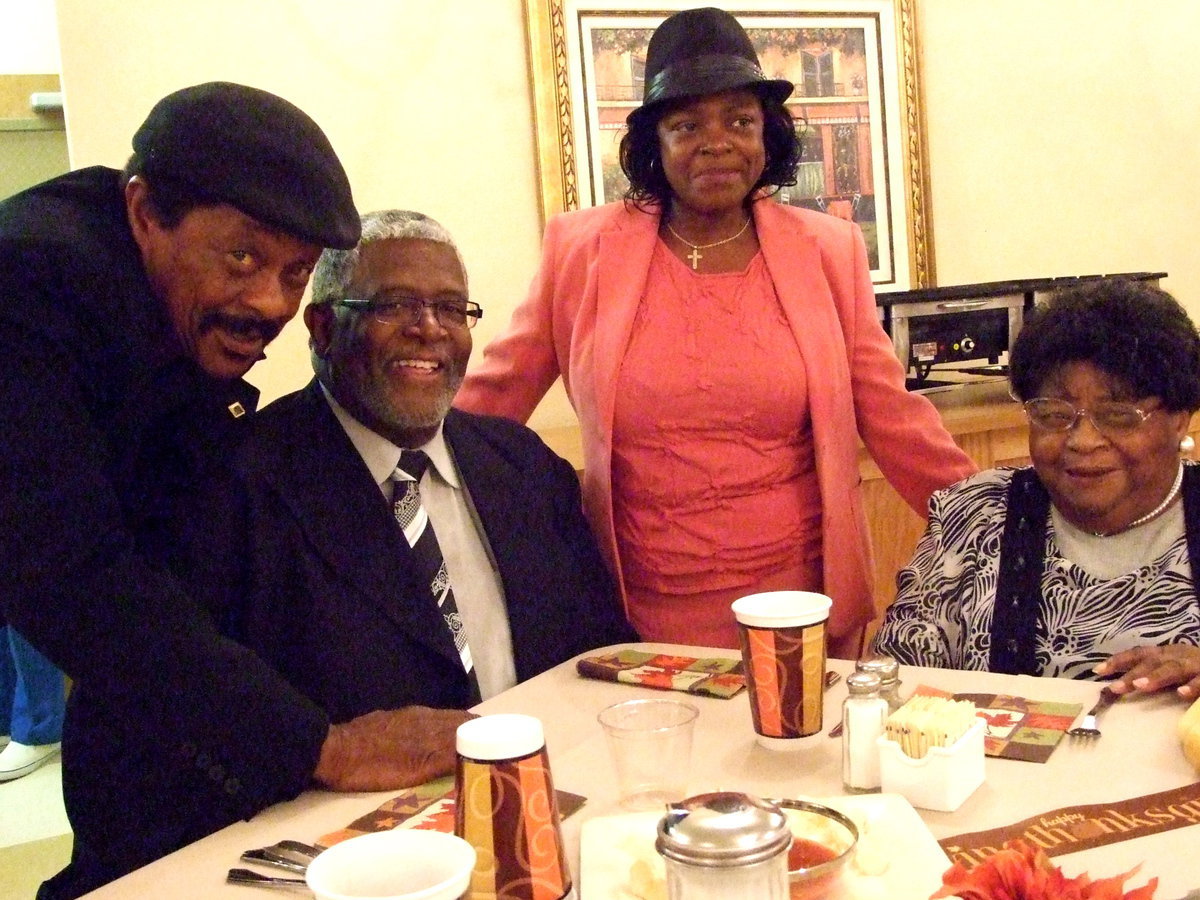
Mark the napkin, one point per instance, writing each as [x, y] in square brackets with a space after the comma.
[427, 806]
[711, 676]
[1017, 728]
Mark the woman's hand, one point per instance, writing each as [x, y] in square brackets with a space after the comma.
[1149, 669]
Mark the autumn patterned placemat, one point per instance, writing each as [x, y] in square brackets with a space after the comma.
[427, 806]
[1075, 828]
[1017, 727]
[710, 676]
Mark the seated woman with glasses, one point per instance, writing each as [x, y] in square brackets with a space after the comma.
[1082, 564]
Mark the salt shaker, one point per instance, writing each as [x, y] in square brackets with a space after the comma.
[725, 844]
[507, 810]
[888, 671]
[864, 713]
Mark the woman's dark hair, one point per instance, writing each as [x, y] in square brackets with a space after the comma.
[1134, 332]
[170, 198]
[642, 163]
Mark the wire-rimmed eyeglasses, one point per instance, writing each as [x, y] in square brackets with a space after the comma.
[401, 310]
[1111, 417]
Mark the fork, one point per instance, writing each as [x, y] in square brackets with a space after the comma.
[291, 855]
[1087, 729]
[266, 858]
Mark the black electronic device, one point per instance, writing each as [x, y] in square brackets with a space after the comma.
[966, 329]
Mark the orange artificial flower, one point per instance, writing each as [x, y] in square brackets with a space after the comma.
[1021, 872]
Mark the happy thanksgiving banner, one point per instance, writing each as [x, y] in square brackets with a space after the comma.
[1083, 827]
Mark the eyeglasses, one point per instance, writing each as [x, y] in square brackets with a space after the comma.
[400, 311]
[1109, 418]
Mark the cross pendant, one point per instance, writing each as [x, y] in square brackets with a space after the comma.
[695, 257]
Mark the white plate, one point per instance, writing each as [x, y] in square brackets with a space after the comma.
[610, 845]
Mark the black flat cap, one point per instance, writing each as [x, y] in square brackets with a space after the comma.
[256, 151]
[702, 51]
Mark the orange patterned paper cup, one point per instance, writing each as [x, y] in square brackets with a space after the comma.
[782, 635]
[507, 810]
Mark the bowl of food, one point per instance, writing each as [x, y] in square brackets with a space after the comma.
[823, 842]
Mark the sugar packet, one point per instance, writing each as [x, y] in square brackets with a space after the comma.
[924, 722]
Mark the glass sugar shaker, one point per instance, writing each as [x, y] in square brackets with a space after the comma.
[888, 671]
[725, 844]
[864, 713]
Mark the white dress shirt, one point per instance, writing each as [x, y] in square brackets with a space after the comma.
[473, 575]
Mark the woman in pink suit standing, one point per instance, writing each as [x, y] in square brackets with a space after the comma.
[723, 354]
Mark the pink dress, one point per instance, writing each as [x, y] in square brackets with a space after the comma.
[714, 475]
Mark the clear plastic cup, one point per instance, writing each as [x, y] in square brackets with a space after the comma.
[651, 749]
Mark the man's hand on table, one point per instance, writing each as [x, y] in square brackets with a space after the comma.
[1149, 669]
[389, 749]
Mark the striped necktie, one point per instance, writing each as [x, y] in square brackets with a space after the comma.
[427, 555]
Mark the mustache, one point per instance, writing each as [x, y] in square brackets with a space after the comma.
[265, 330]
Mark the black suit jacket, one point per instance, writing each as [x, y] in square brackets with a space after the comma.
[172, 729]
[317, 575]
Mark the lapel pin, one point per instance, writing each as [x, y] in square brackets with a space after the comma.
[236, 409]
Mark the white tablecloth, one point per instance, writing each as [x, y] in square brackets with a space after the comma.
[1139, 754]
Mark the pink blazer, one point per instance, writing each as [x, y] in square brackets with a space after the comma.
[576, 320]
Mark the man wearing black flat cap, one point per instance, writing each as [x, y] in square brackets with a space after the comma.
[131, 305]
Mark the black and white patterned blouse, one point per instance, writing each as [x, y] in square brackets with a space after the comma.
[943, 609]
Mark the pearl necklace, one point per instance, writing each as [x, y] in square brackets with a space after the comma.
[695, 256]
[1154, 513]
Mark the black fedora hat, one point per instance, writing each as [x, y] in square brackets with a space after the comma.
[702, 51]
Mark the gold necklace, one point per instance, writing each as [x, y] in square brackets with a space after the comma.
[695, 256]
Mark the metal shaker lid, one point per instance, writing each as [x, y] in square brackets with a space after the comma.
[723, 829]
[885, 667]
[860, 683]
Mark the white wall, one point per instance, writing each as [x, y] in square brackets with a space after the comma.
[1064, 138]
[1062, 133]
[28, 38]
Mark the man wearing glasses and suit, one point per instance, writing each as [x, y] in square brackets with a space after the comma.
[322, 534]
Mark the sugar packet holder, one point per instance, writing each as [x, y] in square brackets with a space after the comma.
[942, 779]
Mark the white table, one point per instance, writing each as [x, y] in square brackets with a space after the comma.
[1139, 754]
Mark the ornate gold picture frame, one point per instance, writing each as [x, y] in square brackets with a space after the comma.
[854, 63]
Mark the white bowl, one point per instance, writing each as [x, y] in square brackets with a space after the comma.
[404, 864]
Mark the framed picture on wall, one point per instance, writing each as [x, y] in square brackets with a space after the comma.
[856, 101]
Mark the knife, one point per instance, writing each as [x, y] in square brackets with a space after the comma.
[245, 876]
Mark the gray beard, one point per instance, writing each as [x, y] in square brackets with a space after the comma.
[378, 405]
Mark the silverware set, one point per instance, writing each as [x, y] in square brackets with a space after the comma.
[291, 856]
